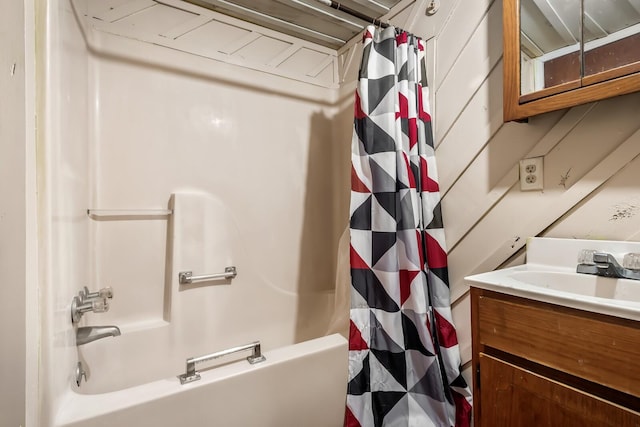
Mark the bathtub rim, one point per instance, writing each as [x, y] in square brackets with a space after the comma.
[77, 407]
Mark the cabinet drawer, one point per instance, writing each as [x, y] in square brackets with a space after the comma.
[598, 348]
[514, 397]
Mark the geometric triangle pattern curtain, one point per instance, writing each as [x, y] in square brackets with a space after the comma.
[404, 361]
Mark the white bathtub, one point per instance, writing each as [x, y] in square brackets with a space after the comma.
[299, 385]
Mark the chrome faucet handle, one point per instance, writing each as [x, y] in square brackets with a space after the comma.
[585, 256]
[83, 294]
[100, 305]
[79, 307]
[104, 293]
[606, 265]
[631, 261]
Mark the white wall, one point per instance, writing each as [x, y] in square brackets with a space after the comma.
[14, 79]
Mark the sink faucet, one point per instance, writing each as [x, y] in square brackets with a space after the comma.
[87, 334]
[606, 265]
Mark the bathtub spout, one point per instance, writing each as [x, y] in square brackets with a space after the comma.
[87, 334]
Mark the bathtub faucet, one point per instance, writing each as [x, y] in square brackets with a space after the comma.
[606, 265]
[87, 334]
[86, 301]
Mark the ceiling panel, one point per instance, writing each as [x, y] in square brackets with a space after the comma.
[306, 19]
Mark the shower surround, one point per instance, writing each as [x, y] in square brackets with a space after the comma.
[222, 165]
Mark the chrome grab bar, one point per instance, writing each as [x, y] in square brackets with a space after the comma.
[192, 375]
[187, 277]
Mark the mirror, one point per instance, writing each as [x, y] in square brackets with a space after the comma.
[561, 53]
[611, 39]
[550, 39]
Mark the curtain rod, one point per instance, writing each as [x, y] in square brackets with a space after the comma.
[337, 6]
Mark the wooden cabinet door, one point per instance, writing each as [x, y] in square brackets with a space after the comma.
[594, 347]
[514, 397]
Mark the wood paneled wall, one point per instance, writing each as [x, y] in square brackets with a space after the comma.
[591, 155]
[591, 158]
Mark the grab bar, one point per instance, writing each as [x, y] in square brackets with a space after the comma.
[187, 277]
[192, 375]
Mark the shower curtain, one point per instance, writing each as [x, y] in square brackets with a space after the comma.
[404, 362]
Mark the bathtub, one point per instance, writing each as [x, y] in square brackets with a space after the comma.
[298, 385]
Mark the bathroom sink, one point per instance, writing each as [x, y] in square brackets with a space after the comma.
[550, 276]
[581, 284]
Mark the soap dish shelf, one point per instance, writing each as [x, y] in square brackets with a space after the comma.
[129, 213]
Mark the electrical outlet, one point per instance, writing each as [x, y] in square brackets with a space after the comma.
[531, 173]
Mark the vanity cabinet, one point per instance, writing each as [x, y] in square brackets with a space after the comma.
[540, 364]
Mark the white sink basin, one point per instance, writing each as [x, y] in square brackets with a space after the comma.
[550, 276]
[582, 284]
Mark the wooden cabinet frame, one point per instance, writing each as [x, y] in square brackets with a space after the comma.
[583, 355]
[517, 107]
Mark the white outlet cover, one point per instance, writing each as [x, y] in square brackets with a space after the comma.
[531, 180]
